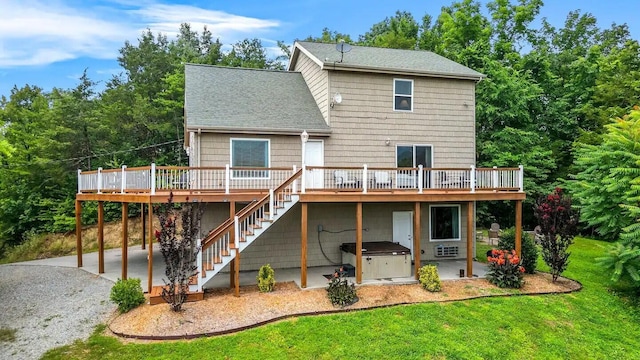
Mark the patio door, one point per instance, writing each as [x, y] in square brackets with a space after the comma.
[314, 156]
[403, 228]
[411, 156]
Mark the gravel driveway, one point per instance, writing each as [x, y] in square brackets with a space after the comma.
[49, 307]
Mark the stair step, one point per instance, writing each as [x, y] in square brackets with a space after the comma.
[265, 220]
[249, 233]
[255, 226]
[225, 252]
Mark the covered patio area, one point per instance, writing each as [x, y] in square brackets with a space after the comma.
[137, 268]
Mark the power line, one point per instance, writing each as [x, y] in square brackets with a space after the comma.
[80, 158]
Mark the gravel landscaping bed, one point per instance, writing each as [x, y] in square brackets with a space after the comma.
[49, 307]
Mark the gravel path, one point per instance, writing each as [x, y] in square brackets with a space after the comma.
[49, 307]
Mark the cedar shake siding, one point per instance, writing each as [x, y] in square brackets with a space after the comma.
[317, 81]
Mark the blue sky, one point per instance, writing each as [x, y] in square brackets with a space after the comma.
[49, 43]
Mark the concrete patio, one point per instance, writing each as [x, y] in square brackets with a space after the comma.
[137, 268]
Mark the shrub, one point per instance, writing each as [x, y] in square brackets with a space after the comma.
[178, 234]
[559, 224]
[429, 278]
[505, 270]
[529, 250]
[127, 294]
[266, 278]
[340, 292]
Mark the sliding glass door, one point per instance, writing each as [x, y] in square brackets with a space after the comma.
[411, 156]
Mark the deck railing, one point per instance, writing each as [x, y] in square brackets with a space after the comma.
[314, 178]
[368, 179]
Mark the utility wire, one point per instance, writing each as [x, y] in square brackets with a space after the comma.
[46, 161]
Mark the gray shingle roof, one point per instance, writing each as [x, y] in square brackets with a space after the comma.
[390, 60]
[249, 100]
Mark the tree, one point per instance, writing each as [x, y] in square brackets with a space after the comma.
[559, 225]
[330, 37]
[606, 178]
[178, 236]
[397, 32]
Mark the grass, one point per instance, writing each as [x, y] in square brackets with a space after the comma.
[590, 324]
[7, 335]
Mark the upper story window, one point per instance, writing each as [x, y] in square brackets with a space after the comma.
[250, 154]
[402, 95]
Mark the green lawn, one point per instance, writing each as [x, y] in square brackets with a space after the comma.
[590, 324]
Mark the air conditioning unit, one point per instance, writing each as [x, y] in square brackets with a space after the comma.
[446, 251]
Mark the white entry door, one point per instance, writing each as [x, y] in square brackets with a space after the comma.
[314, 156]
[403, 228]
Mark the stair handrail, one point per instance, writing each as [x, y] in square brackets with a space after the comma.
[244, 213]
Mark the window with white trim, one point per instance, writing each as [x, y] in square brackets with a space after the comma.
[444, 222]
[402, 95]
[251, 154]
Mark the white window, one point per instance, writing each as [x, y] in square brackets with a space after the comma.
[250, 154]
[402, 95]
[444, 222]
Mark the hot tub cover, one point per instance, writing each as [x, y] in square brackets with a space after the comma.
[376, 248]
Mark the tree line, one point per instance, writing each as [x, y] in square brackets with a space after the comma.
[549, 92]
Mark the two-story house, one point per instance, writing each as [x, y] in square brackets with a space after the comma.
[354, 155]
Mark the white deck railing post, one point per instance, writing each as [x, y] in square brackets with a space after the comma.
[199, 264]
[304, 179]
[227, 178]
[271, 204]
[364, 179]
[153, 179]
[123, 178]
[79, 181]
[472, 180]
[521, 178]
[294, 189]
[99, 180]
[494, 184]
[420, 177]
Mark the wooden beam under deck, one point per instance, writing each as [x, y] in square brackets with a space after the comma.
[311, 196]
[303, 245]
[232, 240]
[125, 239]
[79, 231]
[150, 259]
[100, 237]
[519, 228]
[417, 226]
[470, 231]
[358, 242]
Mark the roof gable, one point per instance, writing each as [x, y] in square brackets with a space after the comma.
[395, 61]
[225, 99]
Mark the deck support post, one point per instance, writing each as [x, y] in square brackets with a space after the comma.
[232, 241]
[125, 239]
[303, 245]
[470, 227]
[358, 243]
[150, 258]
[519, 227]
[100, 237]
[79, 231]
[144, 224]
[236, 280]
[417, 228]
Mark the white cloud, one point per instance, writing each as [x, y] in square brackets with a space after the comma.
[40, 32]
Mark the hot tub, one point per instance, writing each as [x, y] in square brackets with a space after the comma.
[380, 259]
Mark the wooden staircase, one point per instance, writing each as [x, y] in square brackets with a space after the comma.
[236, 234]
